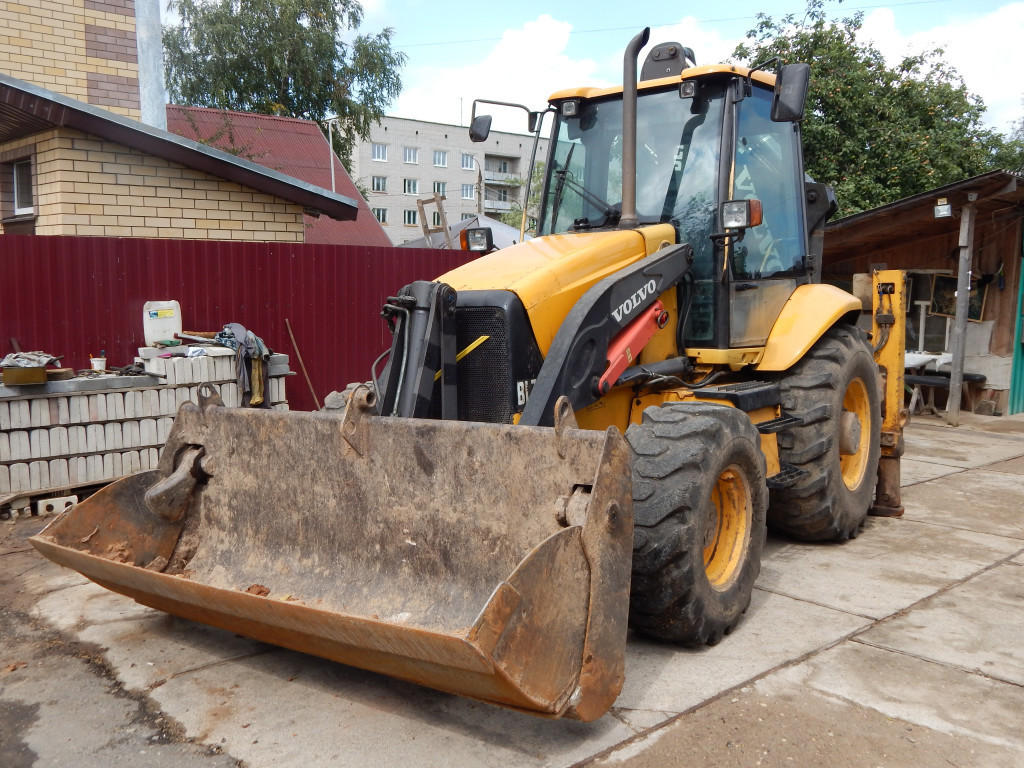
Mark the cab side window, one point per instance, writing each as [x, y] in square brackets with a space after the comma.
[766, 163]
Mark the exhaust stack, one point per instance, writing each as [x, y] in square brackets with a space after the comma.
[628, 219]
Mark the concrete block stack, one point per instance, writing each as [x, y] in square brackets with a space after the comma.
[88, 431]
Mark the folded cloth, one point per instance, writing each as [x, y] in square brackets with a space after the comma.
[27, 360]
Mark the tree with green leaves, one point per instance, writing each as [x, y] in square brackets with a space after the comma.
[876, 133]
[283, 57]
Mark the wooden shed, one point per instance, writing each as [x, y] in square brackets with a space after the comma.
[921, 234]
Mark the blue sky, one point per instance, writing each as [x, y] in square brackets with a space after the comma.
[523, 50]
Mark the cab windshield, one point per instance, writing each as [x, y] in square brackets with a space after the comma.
[678, 153]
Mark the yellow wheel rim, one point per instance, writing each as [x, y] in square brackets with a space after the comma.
[728, 528]
[854, 448]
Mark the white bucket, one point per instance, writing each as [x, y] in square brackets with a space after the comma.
[98, 363]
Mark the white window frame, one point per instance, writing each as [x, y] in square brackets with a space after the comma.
[468, 192]
[379, 184]
[381, 214]
[441, 188]
[410, 217]
[21, 169]
[410, 186]
[468, 162]
[437, 218]
[410, 156]
[503, 166]
[379, 153]
[467, 216]
[440, 158]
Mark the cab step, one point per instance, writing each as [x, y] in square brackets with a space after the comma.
[787, 476]
[779, 423]
[745, 395]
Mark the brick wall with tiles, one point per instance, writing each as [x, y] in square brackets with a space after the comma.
[85, 49]
[86, 186]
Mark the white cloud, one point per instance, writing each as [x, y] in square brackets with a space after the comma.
[985, 50]
[525, 67]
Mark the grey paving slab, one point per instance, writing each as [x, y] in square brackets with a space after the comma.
[892, 564]
[957, 447]
[1013, 466]
[328, 714]
[984, 500]
[977, 625]
[913, 471]
[921, 692]
[776, 630]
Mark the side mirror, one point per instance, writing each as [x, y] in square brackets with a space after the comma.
[790, 93]
[535, 120]
[480, 128]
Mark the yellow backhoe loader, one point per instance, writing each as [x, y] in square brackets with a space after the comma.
[581, 433]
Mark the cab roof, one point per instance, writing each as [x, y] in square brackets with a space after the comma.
[587, 92]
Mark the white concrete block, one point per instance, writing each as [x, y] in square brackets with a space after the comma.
[163, 429]
[150, 353]
[94, 469]
[59, 473]
[38, 475]
[115, 405]
[76, 440]
[180, 396]
[166, 407]
[59, 441]
[182, 371]
[54, 505]
[5, 416]
[150, 405]
[76, 470]
[130, 463]
[39, 412]
[229, 394]
[97, 408]
[130, 434]
[147, 432]
[20, 477]
[79, 406]
[205, 368]
[118, 468]
[170, 373]
[5, 447]
[5, 479]
[144, 460]
[108, 466]
[154, 458]
[39, 443]
[112, 436]
[63, 412]
[95, 441]
[21, 415]
[193, 394]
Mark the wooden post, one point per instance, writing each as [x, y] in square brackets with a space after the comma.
[963, 301]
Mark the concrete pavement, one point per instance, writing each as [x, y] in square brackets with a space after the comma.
[902, 647]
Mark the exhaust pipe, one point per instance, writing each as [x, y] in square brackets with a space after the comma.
[628, 219]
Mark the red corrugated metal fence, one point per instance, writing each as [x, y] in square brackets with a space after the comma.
[76, 296]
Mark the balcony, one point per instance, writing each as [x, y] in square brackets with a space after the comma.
[494, 177]
[497, 206]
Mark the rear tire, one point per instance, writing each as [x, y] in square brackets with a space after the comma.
[699, 505]
[840, 453]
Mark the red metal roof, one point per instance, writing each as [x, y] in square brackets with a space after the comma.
[288, 145]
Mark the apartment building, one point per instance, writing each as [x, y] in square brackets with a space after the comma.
[408, 160]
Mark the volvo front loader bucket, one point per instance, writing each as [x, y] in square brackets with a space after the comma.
[486, 560]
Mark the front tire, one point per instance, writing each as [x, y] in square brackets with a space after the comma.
[834, 391]
[699, 505]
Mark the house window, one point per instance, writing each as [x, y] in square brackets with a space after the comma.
[440, 158]
[501, 195]
[441, 187]
[380, 183]
[503, 166]
[381, 214]
[467, 162]
[380, 153]
[467, 216]
[410, 186]
[411, 155]
[437, 219]
[22, 187]
[467, 192]
[410, 217]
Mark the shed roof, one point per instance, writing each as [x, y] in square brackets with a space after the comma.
[26, 109]
[288, 145]
[914, 216]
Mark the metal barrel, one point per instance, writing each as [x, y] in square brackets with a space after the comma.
[486, 560]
